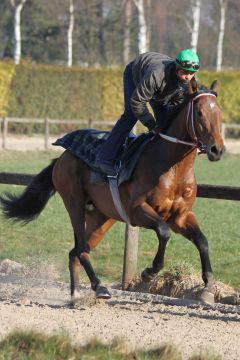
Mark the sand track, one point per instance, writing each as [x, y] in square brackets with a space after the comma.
[145, 321]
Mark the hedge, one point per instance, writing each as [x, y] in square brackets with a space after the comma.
[6, 75]
[59, 92]
[228, 92]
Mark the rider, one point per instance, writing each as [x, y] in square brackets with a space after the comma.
[151, 78]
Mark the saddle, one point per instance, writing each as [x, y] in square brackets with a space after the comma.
[86, 145]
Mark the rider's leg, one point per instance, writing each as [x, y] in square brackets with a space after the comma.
[112, 147]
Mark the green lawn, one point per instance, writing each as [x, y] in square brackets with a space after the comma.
[49, 238]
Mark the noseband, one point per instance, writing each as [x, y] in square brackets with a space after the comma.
[190, 126]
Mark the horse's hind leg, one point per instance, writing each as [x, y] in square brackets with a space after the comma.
[80, 253]
[68, 181]
[74, 269]
[97, 225]
[163, 234]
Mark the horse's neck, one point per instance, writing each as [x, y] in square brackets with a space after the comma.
[178, 127]
[161, 155]
[178, 130]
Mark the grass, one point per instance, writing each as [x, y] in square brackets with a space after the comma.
[49, 238]
[31, 345]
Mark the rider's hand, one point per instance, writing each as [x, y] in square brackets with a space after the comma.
[151, 124]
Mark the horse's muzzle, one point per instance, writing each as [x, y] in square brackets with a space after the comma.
[215, 152]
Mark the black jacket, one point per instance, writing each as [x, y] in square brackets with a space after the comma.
[154, 76]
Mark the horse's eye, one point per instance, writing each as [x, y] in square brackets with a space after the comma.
[199, 113]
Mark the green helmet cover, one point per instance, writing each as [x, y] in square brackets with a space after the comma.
[189, 57]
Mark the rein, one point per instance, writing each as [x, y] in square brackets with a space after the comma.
[190, 122]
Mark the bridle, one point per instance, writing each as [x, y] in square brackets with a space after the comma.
[190, 127]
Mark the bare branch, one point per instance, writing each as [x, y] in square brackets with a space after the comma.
[182, 18]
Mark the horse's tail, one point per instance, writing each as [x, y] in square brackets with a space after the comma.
[28, 205]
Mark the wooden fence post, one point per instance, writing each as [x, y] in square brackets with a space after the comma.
[46, 122]
[90, 123]
[5, 131]
[130, 255]
[223, 131]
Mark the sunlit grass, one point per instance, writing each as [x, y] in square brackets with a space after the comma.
[32, 345]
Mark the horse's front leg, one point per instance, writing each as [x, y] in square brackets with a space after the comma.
[189, 228]
[163, 234]
[145, 216]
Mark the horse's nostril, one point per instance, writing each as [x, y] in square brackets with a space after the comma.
[214, 150]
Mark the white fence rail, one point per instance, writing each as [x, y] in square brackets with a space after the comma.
[4, 122]
[228, 126]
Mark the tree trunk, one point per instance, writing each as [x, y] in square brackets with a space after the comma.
[142, 31]
[126, 29]
[223, 7]
[101, 35]
[17, 31]
[148, 17]
[70, 33]
[196, 6]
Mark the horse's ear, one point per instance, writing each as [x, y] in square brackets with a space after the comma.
[193, 86]
[214, 86]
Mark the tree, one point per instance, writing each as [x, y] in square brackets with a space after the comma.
[44, 29]
[101, 30]
[180, 22]
[114, 31]
[127, 11]
[70, 32]
[6, 29]
[223, 8]
[148, 17]
[196, 6]
[17, 6]
[142, 31]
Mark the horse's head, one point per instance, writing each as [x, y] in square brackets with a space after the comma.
[204, 120]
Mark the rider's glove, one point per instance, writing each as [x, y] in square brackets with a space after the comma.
[151, 124]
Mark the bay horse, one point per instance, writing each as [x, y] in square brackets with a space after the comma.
[159, 196]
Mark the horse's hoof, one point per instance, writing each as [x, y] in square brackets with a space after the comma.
[75, 296]
[102, 292]
[207, 297]
[147, 275]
